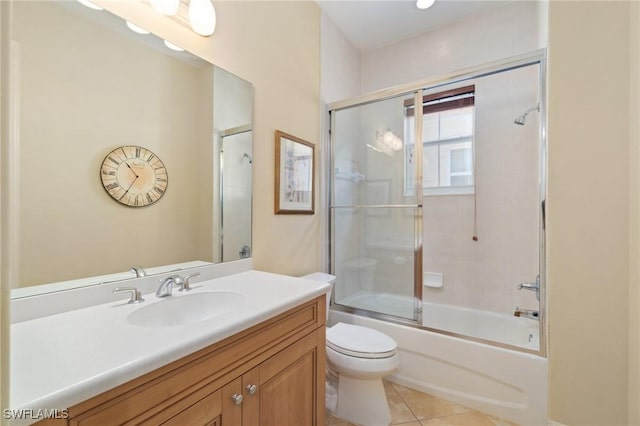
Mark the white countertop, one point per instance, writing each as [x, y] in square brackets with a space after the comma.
[60, 360]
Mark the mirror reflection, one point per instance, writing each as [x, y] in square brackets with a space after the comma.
[82, 86]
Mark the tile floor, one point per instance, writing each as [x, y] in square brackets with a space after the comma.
[413, 408]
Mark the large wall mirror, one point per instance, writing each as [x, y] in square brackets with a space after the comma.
[83, 84]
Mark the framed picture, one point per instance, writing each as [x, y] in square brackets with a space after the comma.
[294, 191]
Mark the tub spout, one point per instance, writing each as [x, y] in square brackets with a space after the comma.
[526, 313]
[532, 287]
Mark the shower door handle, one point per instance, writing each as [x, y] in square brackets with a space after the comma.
[245, 252]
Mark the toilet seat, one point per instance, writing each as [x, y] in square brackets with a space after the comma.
[360, 342]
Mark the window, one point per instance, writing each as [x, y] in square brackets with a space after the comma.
[447, 143]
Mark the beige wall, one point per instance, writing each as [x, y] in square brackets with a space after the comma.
[634, 217]
[4, 244]
[588, 206]
[275, 46]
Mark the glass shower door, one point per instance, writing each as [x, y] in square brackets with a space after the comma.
[375, 216]
[235, 194]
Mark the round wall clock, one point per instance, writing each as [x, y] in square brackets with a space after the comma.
[134, 176]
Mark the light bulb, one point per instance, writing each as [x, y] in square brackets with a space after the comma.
[136, 29]
[387, 138]
[424, 4]
[90, 5]
[202, 17]
[173, 46]
[166, 7]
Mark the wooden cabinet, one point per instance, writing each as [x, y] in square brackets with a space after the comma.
[269, 375]
[206, 412]
[284, 395]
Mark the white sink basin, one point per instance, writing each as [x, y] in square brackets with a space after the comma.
[186, 309]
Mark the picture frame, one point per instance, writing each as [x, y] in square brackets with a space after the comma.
[294, 175]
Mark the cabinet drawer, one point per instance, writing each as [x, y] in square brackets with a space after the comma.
[203, 413]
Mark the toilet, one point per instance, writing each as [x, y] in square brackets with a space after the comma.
[358, 358]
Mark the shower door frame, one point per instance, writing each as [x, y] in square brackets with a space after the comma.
[417, 206]
[220, 223]
[537, 57]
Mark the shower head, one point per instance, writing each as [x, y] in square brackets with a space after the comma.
[521, 119]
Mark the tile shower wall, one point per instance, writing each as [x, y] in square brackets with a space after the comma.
[479, 274]
[484, 274]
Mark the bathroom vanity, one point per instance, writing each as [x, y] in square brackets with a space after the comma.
[262, 363]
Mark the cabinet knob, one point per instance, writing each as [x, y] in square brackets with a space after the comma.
[252, 389]
[237, 399]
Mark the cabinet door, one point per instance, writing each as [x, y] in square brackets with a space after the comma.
[288, 387]
[232, 402]
[251, 389]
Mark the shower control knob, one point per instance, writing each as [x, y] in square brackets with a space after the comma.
[237, 399]
[252, 389]
[245, 252]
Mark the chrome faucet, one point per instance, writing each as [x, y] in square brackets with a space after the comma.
[139, 270]
[166, 285]
[135, 295]
[532, 287]
[186, 285]
[526, 313]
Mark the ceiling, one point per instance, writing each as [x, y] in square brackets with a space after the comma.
[371, 24]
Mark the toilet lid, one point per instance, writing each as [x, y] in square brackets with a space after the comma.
[358, 341]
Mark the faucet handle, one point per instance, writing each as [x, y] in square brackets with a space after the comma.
[136, 296]
[139, 271]
[186, 286]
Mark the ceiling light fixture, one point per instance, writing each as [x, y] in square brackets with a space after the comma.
[387, 142]
[166, 7]
[136, 29]
[202, 17]
[390, 140]
[424, 4]
[173, 46]
[90, 5]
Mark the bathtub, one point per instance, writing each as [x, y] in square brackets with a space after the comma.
[507, 329]
[498, 381]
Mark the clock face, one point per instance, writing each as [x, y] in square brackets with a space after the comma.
[134, 176]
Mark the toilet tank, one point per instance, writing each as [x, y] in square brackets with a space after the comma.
[324, 278]
[359, 274]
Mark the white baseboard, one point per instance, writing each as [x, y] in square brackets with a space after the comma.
[552, 423]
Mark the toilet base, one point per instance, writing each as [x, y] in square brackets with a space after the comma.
[363, 402]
